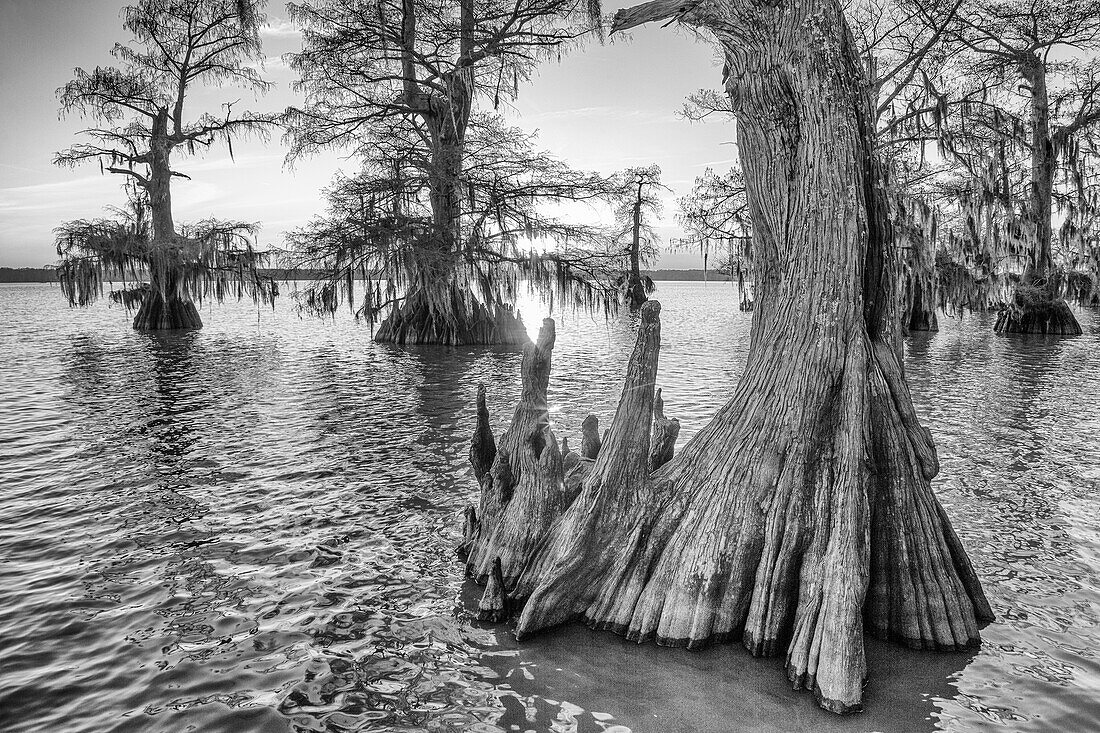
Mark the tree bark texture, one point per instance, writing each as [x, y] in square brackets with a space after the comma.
[802, 514]
[483, 448]
[590, 437]
[665, 433]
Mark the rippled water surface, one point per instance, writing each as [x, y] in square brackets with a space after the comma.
[250, 528]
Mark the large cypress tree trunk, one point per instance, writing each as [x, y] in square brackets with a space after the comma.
[1037, 306]
[164, 309]
[803, 514]
[438, 307]
[438, 313]
[165, 306]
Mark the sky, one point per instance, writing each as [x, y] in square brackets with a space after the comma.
[603, 107]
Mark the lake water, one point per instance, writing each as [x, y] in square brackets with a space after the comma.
[250, 528]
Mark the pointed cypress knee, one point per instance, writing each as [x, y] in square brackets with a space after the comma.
[565, 450]
[590, 437]
[522, 491]
[494, 604]
[665, 432]
[483, 448]
[591, 545]
[469, 533]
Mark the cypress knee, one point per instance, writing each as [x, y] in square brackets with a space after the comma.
[665, 432]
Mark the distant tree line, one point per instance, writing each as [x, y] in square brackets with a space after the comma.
[28, 275]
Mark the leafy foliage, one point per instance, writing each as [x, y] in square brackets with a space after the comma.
[210, 259]
[377, 244]
[717, 211]
[1015, 116]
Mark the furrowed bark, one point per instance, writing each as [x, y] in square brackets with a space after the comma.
[470, 527]
[803, 511]
[665, 432]
[567, 575]
[483, 448]
[494, 606]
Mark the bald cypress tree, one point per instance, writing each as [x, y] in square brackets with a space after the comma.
[379, 71]
[143, 115]
[802, 515]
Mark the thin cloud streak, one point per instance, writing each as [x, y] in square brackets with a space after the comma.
[280, 28]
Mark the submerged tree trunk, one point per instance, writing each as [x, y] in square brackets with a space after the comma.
[803, 514]
[1037, 306]
[921, 315]
[441, 315]
[1046, 314]
[165, 307]
[168, 311]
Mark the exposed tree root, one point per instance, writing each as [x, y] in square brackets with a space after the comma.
[790, 539]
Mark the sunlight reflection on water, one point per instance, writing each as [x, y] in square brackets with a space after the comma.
[250, 528]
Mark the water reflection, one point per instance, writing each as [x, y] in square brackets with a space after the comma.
[249, 528]
[1006, 414]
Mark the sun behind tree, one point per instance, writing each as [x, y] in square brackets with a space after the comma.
[140, 112]
[402, 84]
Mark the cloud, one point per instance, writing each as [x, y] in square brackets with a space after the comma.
[280, 28]
[89, 192]
[270, 64]
[713, 163]
[638, 116]
[224, 162]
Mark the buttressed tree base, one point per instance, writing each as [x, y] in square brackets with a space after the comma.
[802, 515]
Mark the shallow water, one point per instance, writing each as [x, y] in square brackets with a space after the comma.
[250, 528]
